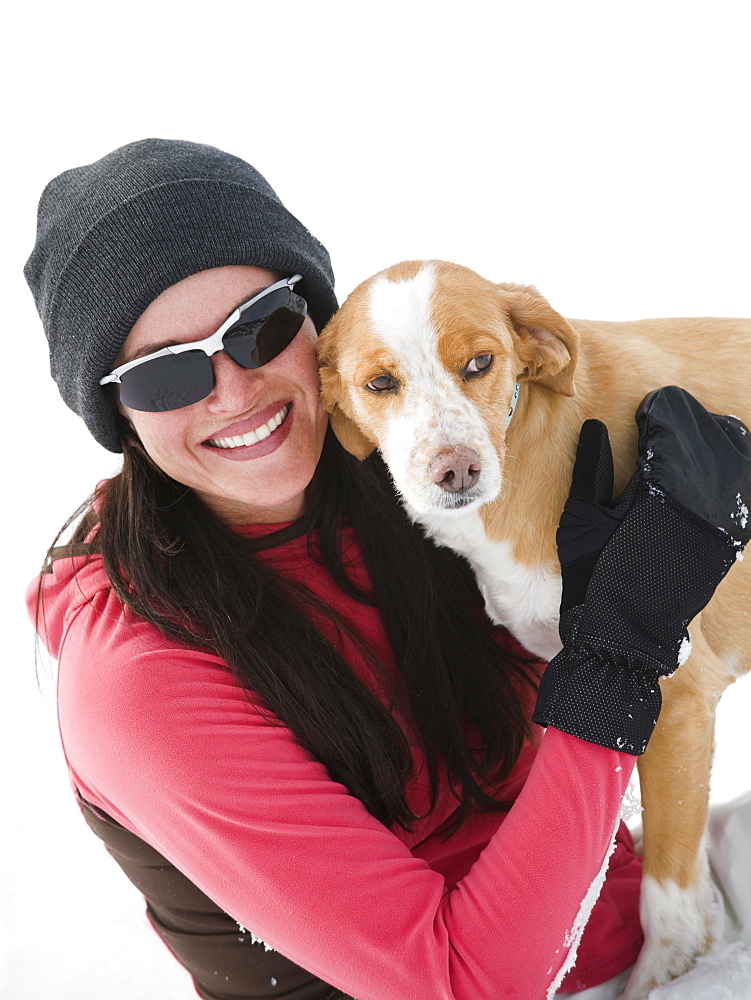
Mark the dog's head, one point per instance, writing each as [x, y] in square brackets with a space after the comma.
[421, 362]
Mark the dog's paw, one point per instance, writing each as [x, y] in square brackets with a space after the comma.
[677, 927]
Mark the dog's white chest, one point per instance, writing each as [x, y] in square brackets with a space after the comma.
[525, 599]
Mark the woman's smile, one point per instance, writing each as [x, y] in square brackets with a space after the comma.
[264, 435]
[249, 432]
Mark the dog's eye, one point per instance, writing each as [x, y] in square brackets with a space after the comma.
[381, 384]
[478, 365]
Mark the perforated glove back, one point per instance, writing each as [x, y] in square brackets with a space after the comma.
[638, 569]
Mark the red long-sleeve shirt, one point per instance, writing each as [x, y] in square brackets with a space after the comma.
[163, 739]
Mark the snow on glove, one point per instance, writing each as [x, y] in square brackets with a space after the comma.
[636, 570]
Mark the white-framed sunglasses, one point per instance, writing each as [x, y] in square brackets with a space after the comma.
[177, 376]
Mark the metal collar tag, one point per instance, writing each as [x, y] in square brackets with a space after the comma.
[514, 401]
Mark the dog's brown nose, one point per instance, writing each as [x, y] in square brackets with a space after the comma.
[456, 470]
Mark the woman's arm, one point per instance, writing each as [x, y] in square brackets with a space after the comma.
[165, 742]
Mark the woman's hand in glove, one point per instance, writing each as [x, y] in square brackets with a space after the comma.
[637, 569]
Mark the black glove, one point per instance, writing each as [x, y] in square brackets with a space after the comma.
[636, 570]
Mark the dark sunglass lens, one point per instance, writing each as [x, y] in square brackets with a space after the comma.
[264, 330]
[167, 383]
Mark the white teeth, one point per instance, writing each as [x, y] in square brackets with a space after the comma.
[252, 437]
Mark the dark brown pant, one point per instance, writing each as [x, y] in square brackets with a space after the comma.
[222, 959]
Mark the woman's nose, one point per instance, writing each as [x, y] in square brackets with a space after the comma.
[234, 387]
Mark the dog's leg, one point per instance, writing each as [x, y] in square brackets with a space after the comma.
[677, 901]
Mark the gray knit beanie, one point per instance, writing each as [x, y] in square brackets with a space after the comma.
[113, 235]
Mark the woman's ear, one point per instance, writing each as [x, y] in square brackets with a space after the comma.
[125, 428]
[545, 344]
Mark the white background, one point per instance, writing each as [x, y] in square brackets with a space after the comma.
[597, 150]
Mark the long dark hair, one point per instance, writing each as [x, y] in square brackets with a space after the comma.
[458, 693]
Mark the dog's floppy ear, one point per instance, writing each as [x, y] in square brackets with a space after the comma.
[546, 345]
[333, 396]
[350, 437]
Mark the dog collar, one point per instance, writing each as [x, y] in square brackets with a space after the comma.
[514, 401]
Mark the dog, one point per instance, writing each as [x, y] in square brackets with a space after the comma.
[426, 361]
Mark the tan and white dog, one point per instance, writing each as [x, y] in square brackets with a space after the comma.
[421, 362]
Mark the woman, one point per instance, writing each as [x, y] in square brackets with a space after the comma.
[282, 710]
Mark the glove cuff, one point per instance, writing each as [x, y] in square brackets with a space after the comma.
[606, 696]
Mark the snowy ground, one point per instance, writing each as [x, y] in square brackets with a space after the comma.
[725, 974]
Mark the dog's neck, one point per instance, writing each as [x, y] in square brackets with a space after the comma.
[540, 446]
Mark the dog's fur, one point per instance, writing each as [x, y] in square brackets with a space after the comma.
[421, 323]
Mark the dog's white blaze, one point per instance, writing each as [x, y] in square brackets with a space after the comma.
[676, 924]
[432, 415]
[523, 598]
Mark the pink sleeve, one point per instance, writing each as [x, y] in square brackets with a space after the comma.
[167, 744]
